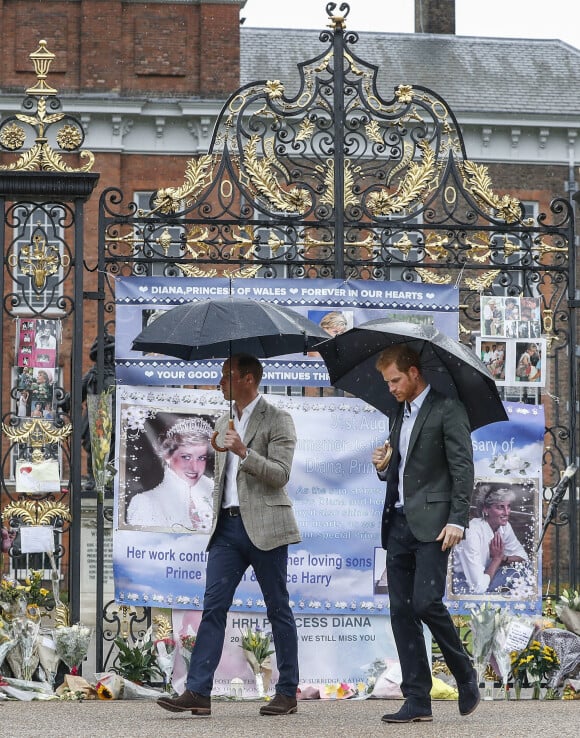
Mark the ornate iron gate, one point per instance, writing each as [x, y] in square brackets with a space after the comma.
[338, 182]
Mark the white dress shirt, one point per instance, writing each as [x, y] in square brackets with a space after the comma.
[410, 412]
[231, 498]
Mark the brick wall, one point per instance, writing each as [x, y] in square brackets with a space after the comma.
[110, 46]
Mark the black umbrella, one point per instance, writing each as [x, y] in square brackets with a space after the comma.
[221, 327]
[447, 366]
[215, 329]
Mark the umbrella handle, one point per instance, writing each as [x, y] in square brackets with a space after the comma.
[213, 442]
[385, 462]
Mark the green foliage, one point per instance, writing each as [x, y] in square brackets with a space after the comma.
[137, 663]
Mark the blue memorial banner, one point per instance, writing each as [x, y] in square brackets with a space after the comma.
[159, 554]
[335, 304]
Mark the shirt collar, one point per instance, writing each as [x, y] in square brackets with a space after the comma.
[420, 399]
[249, 408]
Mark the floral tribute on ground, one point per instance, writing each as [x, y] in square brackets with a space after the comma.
[526, 653]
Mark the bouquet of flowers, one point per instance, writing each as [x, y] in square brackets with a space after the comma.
[166, 649]
[483, 623]
[15, 598]
[535, 662]
[187, 642]
[257, 651]
[72, 643]
[7, 640]
[500, 650]
[49, 658]
[100, 412]
[568, 610]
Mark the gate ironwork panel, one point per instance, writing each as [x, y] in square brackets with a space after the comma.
[42, 204]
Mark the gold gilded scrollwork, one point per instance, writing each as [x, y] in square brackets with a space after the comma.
[39, 260]
[419, 179]
[430, 277]
[483, 281]
[350, 173]
[37, 512]
[162, 626]
[477, 181]
[548, 326]
[37, 433]
[198, 174]
[479, 252]
[435, 246]
[41, 156]
[265, 183]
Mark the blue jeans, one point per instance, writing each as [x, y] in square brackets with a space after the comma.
[230, 554]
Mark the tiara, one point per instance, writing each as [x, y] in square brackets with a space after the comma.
[190, 425]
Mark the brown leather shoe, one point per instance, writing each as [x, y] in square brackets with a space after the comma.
[280, 705]
[188, 701]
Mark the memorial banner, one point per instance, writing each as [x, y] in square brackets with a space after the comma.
[335, 304]
[339, 565]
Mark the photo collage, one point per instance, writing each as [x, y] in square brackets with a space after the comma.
[510, 344]
[36, 352]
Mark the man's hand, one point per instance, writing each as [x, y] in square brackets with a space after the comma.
[234, 443]
[378, 456]
[451, 535]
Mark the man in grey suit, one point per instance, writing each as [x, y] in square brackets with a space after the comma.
[429, 485]
[252, 526]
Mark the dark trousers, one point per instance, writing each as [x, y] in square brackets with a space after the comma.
[230, 554]
[416, 574]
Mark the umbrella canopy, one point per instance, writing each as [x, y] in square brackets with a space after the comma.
[447, 366]
[219, 328]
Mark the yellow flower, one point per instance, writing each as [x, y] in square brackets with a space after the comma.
[103, 692]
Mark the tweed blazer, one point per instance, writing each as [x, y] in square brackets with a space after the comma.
[438, 475]
[265, 507]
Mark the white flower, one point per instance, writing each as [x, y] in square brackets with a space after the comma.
[135, 417]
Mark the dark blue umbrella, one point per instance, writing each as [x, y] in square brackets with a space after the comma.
[219, 328]
[216, 329]
[447, 365]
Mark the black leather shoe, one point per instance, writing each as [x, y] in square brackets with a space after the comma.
[469, 697]
[192, 702]
[280, 705]
[409, 714]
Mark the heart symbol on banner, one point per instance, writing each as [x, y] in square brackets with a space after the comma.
[430, 295]
[293, 290]
[143, 289]
[149, 374]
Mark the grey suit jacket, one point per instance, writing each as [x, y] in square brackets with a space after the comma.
[438, 474]
[265, 507]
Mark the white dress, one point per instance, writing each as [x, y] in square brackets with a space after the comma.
[471, 556]
[173, 505]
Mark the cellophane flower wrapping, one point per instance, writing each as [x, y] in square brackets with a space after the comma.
[501, 654]
[186, 644]
[483, 622]
[23, 658]
[256, 646]
[567, 646]
[100, 415]
[48, 656]
[7, 640]
[166, 649]
[110, 686]
[72, 644]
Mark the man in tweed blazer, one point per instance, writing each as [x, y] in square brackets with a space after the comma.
[252, 526]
